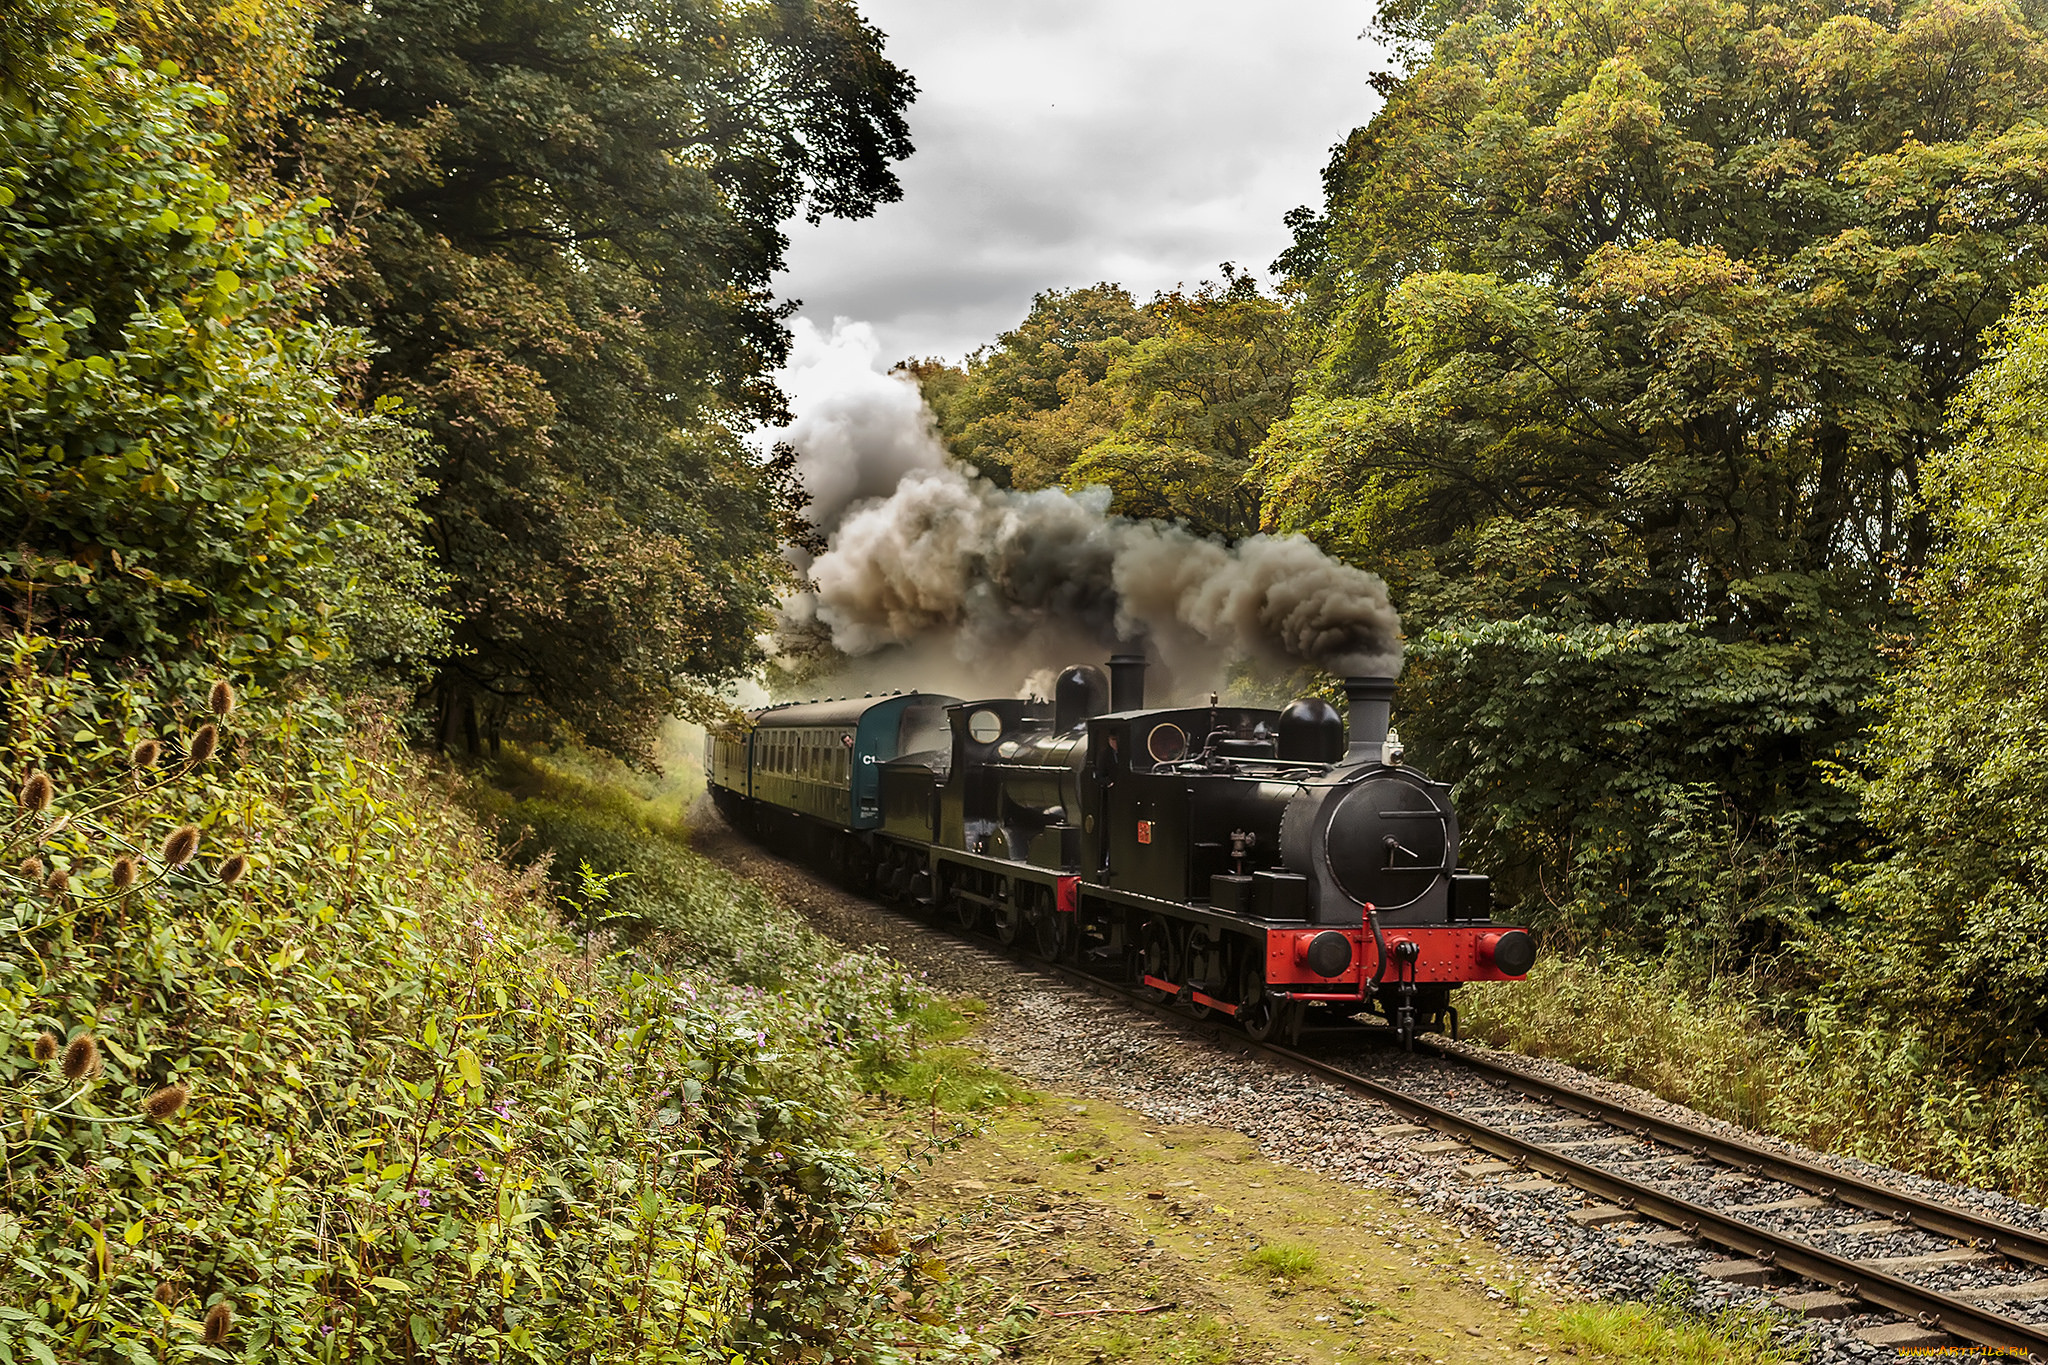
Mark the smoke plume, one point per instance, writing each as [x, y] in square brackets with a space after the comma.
[937, 578]
[857, 431]
[1011, 579]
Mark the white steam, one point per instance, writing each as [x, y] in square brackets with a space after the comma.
[857, 431]
[937, 578]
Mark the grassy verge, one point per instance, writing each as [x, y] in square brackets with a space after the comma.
[299, 1070]
[1879, 1092]
[1078, 1232]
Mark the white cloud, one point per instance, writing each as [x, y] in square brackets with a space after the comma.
[1061, 142]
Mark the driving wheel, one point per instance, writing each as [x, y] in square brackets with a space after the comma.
[1009, 922]
[1259, 1013]
[1052, 932]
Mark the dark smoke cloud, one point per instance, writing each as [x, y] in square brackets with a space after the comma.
[937, 578]
[1014, 581]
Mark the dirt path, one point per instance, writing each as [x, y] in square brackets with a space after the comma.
[1138, 1242]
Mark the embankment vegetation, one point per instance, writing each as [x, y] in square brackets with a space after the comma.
[299, 1071]
[1677, 365]
[295, 1067]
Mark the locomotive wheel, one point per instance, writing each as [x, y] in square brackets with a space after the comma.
[967, 912]
[1051, 932]
[1009, 921]
[1261, 1015]
[1157, 958]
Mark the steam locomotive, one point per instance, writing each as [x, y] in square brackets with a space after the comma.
[1245, 862]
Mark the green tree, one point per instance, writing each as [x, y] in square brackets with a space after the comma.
[259, 54]
[183, 472]
[566, 220]
[1197, 398]
[1646, 318]
[1946, 925]
[1028, 405]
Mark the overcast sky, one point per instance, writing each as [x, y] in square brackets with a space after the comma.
[1061, 142]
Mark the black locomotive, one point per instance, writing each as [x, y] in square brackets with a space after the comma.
[1244, 861]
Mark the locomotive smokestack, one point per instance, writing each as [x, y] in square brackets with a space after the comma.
[1371, 704]
[1127, 682]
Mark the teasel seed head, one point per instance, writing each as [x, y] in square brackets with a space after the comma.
[204, 741]
[59, 883]
[46, 1046]
[222, 699]
[167, 1294]
[38, 791]
[82, 1058]
[180, 845]
[233, 869]
[167, 1101]
[218, 1320]
[124, 873]
[31, 869]
[145, 755]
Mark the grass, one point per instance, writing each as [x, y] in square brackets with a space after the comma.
[1665, 1335]
[1283, 1261]
[956, 1079]
[1883, 1093]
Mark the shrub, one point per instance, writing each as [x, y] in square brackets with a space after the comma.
[183, 466]
[417, 1118]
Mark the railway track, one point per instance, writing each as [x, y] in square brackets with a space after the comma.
[1841, 1284]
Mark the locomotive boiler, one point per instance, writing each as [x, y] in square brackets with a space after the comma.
[1243, 861]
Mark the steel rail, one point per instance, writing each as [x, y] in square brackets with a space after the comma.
[1905, 1209]
[1929, 1307]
